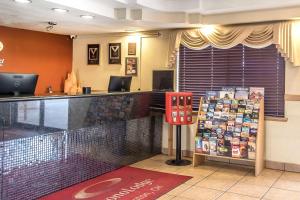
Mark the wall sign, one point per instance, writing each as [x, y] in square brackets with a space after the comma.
[93, 54]
[132, 49]
[1, 59]
[114, 53]
[131, 66]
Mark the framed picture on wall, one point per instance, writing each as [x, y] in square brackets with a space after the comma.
[132, 49]
[131, 66]
[114, 53]
[93, 54]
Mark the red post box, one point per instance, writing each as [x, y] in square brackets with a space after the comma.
[179, 108]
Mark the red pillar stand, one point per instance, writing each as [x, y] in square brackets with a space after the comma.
[179, 112]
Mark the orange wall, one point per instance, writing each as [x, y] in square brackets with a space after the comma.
[48, 55]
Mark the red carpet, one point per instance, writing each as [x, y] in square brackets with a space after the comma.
[127, 183]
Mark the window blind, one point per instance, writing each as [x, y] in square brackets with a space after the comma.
[212, 68]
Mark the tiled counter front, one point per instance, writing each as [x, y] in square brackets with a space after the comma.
[47, 145]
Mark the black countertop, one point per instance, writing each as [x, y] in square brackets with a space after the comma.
[63, 96]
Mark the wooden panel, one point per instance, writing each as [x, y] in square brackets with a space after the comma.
[225, 157]
[292, 97]
[276, 119]
[198, 160]
[260, 142]
[170, 140]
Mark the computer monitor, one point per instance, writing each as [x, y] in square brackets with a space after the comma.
[163, 80]
[119, 83]
[17, 84]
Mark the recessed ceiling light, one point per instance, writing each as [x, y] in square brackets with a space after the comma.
[23, 1]
[60, 10]
[87, 16]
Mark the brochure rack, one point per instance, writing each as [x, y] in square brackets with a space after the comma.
[199, 158]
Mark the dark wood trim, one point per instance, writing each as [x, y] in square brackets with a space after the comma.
[277, 119]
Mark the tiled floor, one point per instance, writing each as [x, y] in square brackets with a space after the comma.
[224, 182]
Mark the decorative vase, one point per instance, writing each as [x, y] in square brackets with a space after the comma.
[68, 84]
[71, 84]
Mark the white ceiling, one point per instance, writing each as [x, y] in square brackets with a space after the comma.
[140, 15]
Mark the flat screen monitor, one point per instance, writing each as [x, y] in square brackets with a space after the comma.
[119, 83]
[17, 84]
[163, 80]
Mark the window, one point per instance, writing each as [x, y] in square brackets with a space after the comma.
[212, 68]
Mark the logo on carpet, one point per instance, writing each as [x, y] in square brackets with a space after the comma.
[126, 183]
[126, 191]
[104, 186]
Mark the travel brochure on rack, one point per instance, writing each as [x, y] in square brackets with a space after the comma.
[228, 122]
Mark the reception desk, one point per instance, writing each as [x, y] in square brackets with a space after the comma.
[50, 142]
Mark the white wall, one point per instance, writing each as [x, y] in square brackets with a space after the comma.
[151, 53]
[282, 138]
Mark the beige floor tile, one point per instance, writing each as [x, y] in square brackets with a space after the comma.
[232, 196]
[147, 164]
[289, 181]
[271, 173]
[172, 168]
[181, 198]
[260, 181]
[167, 169]
[249, 190]
[287, 184]
[234, 170]
[279, 194]
[266, 178]
[196, 172]
[209, 181]
[197, 193]
[210, 166]
[142, 167]
[166, 197]
[178, 190]
[226, 175]
[218, 182]
[161, 157]
[292, 176]
[194, 180]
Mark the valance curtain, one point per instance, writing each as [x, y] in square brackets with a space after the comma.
[283, 34]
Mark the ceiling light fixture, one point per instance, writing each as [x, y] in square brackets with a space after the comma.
[60, 10]
[23, 1]
[87, 16]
